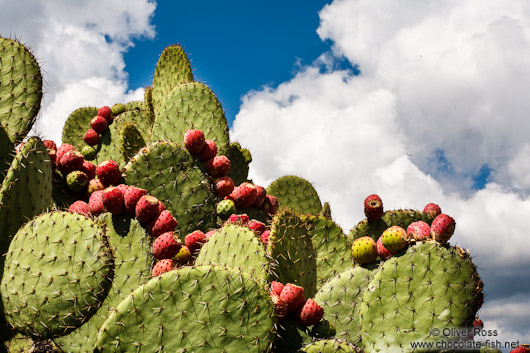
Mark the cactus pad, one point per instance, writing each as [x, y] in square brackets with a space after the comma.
[237, 247]
[59, 263]
[330, 346]
[192, 309]
[293, 255]
[167, 171]
[20, 89]
[131, 247]
[76, 126]
[240, 159]
[428, 287]
[191, 106]
[296, 194]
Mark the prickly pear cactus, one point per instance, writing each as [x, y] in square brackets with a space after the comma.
[296, 194]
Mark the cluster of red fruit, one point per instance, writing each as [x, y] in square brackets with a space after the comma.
[249, 195]
[289, 299]
[98, 125]
[259, 228]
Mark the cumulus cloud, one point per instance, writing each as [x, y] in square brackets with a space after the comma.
[440, 98]
[80, 46]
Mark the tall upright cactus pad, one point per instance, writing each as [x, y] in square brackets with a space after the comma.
[401, 218]
[131, 141]
[192, 309]
[20, 89]
[240, 159]
[172, 69]
[236, 247]
[167, 171]
[130, 244]
[332, 247]
[430, 286]
[341, 299]
[76, 126]
[292, 253]
[57, 272]
[191, 106]
[296, 194]
[330, 346]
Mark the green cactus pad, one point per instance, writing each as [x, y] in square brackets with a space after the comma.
[296, 194]
[167, 171]
[191, 106]
[117, 109]
[172, 69]
[341, 297]
[148, 100]
[131, 246]
[428, 287]
[236, 247]
[332, 247]
[134, 105]
[111, 145]
[20, 344]
[57, 272]
[293, 255]
[192, 309]
[330, 346]
[6, 152]
[131, 141]
[20, 89]
[76, 126]
[26, 190]
[240, 159]
[401, 218]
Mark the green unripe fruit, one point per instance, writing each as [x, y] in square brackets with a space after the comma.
[394, 239]
[76, 180]
[183, 257]
[364, 250]
[89, 152]
[226, 208]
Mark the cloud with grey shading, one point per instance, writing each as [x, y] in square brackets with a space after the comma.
[80, 47]
[439, 82]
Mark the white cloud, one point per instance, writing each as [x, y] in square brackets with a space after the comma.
[438, 81]
[80, 46]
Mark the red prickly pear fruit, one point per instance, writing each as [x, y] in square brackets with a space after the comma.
[91, 137]
[194, 141]
[261, 194]
[265, 237]
[108, 172]
[50, 145]
[53, 157]
[165, 222]
[94, 185]
[364, 250]
[276, 287]
[210, 234]
[394, 239]
[432, 210]
[195, 240]
[70, 161]
[442, 228]
[147, 208]
[131, 197]
[123, 188]
[183, 257]
[244, 195]
[76, 181]
[257, 226]
[65, 147]
[95, 203]
[161, 207]
[162, 266]
[223, 186]
[280, 308]
[382, 251]
[523, 348]
[477, 323]
[99, 124]
[373, 208]
[209, 151]
[165, 246]
[309, 313]
[240, 219]
[218, 166]
[80, 207]
[418, 230]
[270, 205]
[293, 296]
[113, 200]
[89, 169]
[106, 113]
